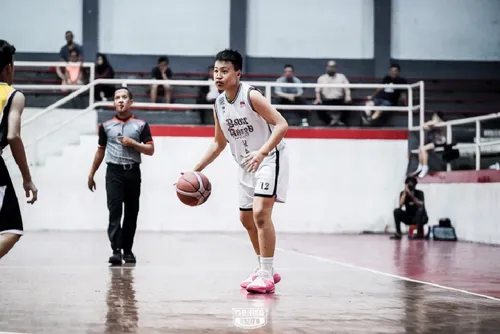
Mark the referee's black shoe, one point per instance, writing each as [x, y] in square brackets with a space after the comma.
[129, 257]
[116, 258]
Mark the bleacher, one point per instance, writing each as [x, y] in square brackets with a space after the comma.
[457, 98]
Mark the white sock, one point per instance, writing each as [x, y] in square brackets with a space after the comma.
[258, 261]
[419, 167]
[266, 263]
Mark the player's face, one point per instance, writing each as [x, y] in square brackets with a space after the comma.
[225, 76]
[122, 101]
[8, 73]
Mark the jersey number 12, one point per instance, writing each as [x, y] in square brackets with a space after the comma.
[264, 186]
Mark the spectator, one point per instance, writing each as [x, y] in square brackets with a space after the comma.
[207, 94]
[65, 53]
[161, 72]
[103, 70]
[73, 74]
[388, 97]
[414, 213]
[291, 95]
[435, 137]
[332, 96]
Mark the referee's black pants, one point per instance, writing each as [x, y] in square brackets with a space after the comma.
[123, 188]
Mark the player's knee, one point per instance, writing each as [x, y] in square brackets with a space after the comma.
[246, 218]
[9, 240]
[261, 217]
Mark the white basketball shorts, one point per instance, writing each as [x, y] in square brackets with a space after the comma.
[270, 179]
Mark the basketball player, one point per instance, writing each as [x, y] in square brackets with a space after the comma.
[254, 129]
[11, 108]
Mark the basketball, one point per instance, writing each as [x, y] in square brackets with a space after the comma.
[193, 188]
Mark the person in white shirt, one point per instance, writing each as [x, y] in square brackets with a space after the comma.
[332, 96]
[255, 131]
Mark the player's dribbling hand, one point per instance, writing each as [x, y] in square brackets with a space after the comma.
[252, 161]
[30, 189]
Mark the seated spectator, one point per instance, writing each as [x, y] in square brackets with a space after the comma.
[207, 94]
[73, 74]
[330, 96]
[414, 213]
[65, 53]
[291, 95]
[103, 70]
[388, 97]
[435, 137]
[161, 72]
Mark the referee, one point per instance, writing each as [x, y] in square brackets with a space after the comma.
[123, 138]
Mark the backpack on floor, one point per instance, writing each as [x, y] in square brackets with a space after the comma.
[444, 231]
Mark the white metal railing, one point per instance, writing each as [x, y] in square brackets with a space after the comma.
[449, 135]
[268, 93]
[89, 65]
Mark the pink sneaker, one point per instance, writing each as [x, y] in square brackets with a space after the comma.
[261, 284]
[250, 279]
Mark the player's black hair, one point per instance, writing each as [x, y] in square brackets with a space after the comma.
[7, 52]
[232, 56]
[411, 179]
[289, 65]
[163, 59]
[393, 65]
[128, 91]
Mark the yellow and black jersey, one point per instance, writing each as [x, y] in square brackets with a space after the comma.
[6, 96]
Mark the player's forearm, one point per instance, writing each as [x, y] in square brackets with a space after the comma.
[98, 158]
[147, 149]
[212, 153]
[277, 135]
[19, 154]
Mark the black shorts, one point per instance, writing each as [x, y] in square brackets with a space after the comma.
[11, 220]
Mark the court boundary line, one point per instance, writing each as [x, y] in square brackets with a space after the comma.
[373, 271]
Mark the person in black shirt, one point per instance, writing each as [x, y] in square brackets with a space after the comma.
[414, 213]
[387, 97]
[162, 72]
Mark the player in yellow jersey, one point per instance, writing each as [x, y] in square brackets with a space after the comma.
[11, 108]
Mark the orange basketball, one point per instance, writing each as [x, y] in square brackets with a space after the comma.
[193, 188]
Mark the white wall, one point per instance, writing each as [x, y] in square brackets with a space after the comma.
[335, 186]
[473, 209]
[446, 30]
[40, 26]
[170, 27]
[310, 29]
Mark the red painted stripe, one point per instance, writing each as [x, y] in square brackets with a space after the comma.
[309, 133]
[463, 176]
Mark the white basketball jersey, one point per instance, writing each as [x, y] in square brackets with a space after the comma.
[245, 130]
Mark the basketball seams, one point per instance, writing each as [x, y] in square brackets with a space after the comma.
[198, 193]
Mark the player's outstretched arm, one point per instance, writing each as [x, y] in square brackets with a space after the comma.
[17, 146]
[214, 149]
[264, 108]
[14, 135]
